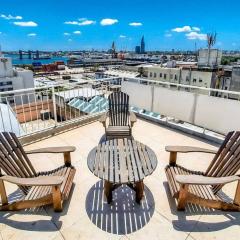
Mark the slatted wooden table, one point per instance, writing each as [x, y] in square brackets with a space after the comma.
[122, 161]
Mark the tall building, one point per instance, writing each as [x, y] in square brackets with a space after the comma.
[142, 45]
[137, 49]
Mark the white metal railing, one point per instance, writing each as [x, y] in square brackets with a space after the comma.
[27, 111]
[32, 110]
[181, 86]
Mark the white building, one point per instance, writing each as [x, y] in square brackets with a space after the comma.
[14, 79]
[210, 58]
[188, 76]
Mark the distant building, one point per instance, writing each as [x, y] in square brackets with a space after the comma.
[210, 58]
[187, 76]
[142, 45]
[14, 79]
[137, 49]
[140, 49]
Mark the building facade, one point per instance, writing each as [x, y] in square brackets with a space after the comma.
[14, 79]
[188, 76]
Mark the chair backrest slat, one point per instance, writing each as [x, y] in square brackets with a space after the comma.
[14, 160]
[227, 160]
[118, 109]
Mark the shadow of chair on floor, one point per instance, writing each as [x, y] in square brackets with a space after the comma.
[185, 225]
[42, 225]
[123, 215]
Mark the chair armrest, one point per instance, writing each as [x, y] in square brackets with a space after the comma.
[202, 180]
[65, 149]
[188, 149]
[133, 118]
[34, 181]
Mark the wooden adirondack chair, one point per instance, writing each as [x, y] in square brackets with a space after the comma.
[39, 188]
[203, 188]
[121, 120]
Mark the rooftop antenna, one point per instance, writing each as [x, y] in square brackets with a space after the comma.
[0, 50]
[211, 40]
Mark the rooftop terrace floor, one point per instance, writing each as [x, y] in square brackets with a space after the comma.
[87, 215]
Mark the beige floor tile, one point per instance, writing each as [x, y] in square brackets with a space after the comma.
[218, 225]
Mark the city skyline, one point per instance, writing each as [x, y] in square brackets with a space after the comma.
[74, 25]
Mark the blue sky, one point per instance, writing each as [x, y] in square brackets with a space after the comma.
[76, 24]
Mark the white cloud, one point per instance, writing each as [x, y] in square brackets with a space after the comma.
[70, 40]
[10, 17]
[32, 34]
[77, 32]
[0, 32]
[182, 29]
[66, 34]
[86, 22]
[196, 29]
[122, 36]
[196, 36]
[168, 35]
[108, 21]
[135, 24]
[71, 22]
[26, 24]
[81, 22]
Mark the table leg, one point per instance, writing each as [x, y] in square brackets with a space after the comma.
[139, 191]
[108, 187]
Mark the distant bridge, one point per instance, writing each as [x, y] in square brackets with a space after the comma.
[29, 54]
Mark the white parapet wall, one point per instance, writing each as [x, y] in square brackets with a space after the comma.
[174, 103]
[216, 114]
[140, 95]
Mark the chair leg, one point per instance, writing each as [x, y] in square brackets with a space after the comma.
[57, 199]
[173, 158]
[139, 191]
[108, 188]
[182, 197]
[237, 194]
[67, 159]
[3, 193]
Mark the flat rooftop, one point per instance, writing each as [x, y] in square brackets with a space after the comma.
[86, 215]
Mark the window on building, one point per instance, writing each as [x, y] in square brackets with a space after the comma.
[150, 74]
[154, 75]
[194, 80]
[200, 80]
[171, 76]
[187, 78]
[175, 77]
[165, 76]
[160, 75]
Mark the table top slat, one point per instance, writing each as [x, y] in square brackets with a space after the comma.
[134, 165]
[122, 162]
[129, 163]
[97, 160]
[142, 159]
[106, 162]
[138, 162]
[146, 157]
[116, 161]
[111, 164]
